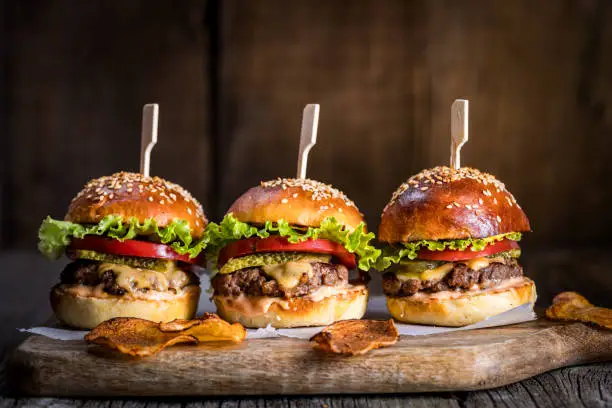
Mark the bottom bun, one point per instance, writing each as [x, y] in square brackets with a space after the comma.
[467, 308]
[86, 312]
[254, 312]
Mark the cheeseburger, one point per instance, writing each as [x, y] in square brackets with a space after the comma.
[284, 252]
[133, 241]
[452, 256]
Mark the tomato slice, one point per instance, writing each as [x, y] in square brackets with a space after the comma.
[130, 247]
[452, 255]
[280, 244]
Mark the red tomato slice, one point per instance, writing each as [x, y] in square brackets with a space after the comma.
[451, 255]
[130, 247]
[280, 244]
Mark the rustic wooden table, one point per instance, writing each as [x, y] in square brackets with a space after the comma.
[26, 277]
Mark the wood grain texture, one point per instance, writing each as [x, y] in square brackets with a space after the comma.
[77, 73]
[553, 271]
[458, 361]
[385, 73]
[80, 73]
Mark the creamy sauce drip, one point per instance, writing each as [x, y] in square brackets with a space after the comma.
[474, 290]
[98, 292]
[257, 305]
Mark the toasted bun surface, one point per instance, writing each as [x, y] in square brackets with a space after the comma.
[134, 195]
[296, 312]
[86, 312]
[442, 203]
[301, 202]
[461, 311]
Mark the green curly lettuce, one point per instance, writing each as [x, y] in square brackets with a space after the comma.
[408, 250]
[54, 235]
[356, 241]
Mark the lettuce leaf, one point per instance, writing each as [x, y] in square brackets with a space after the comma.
[230, 229]
[55, 235]
[408, 250]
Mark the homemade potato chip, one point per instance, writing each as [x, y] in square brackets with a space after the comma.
[572, 306]
[355, 337]
[139, 337]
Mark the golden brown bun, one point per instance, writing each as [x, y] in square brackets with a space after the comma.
[86, 312]
[134, 195]
[299, 202]
[461, 311]
[442, 203]
[298, 311]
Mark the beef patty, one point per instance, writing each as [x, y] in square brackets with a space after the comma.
[85, 272]
[254, 282]
[460, 277]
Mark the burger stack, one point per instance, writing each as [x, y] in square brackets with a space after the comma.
[290, 252]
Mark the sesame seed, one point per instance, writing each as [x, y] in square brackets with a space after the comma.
[111, 195]
[495, 201]
[295, 195]
[161, 202]
[189, 211]
[284, 201]
[457, 205]
[480, 201]
[318, 191]
[150, 199]
[469, 207]
[449, 206]
[424, 188]
[443, 175]
[498, 218]
[340, 210]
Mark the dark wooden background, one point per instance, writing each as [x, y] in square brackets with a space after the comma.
[232, 76]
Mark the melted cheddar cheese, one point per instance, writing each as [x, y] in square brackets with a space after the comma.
[130, 278]
[289, 274]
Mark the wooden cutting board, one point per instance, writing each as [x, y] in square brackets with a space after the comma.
[462, 360]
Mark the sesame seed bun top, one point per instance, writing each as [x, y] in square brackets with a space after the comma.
[300, 202]
[443, 203]
[134, 195]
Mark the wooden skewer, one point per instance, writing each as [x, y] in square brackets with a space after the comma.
[459, 130]
[308, 137]
[150, 115]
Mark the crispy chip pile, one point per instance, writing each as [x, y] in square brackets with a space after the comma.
[572, 306]
[355, 337]
[139, 337]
